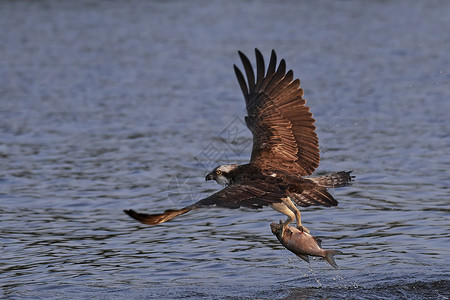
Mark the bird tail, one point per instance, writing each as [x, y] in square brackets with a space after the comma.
[158, 218]
[329, 257]
[334, 180]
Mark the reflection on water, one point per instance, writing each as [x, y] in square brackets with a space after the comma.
[110, 106]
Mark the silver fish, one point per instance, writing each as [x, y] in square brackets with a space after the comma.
[302, 243]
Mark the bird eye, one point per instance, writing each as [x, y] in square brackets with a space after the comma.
[218, 172]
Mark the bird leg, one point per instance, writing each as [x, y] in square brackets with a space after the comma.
[283, 207]
[299, 222]
[285, 224]
[288, 208]
[298, 217]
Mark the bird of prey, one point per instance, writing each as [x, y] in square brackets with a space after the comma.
[285, 150]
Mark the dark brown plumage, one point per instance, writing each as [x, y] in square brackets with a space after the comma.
[283, 128]
[285, 148]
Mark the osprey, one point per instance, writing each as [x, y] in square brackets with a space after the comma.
[285, 150]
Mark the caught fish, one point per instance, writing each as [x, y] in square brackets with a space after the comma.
[302, 243]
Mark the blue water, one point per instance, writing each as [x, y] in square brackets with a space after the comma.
[111, 105]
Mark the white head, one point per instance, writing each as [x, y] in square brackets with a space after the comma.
[221, 174]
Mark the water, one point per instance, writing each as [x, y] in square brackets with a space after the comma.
[110, 105]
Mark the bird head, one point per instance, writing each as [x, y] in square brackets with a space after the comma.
[221, 174]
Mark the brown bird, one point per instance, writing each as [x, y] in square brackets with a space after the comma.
[285, 149]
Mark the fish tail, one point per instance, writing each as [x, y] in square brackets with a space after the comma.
[157, 218]
[329, 257]
[334, 180]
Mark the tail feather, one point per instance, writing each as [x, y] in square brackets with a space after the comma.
[334, 180]
[157, 218]
[329, 257]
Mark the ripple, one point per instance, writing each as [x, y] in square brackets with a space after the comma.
[96, 118]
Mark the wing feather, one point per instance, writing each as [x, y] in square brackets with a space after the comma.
[248, 70]
[252, 194]
[282, 126]
[260, 68]
[241, 80]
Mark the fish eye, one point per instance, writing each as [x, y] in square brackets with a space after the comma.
[218, 172]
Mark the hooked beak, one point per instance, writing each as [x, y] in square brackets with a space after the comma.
[208, 177]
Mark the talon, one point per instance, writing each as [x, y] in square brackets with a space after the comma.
[282, 231]
[303, 228]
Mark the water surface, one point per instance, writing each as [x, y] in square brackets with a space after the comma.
[110, 105]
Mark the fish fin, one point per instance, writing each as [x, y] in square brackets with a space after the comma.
[304, 257]
[329, 257]
[318, 241]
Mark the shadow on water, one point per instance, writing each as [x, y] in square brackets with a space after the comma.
[417, 290]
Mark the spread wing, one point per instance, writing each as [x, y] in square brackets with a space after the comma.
[252, 194]
[283, 128]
